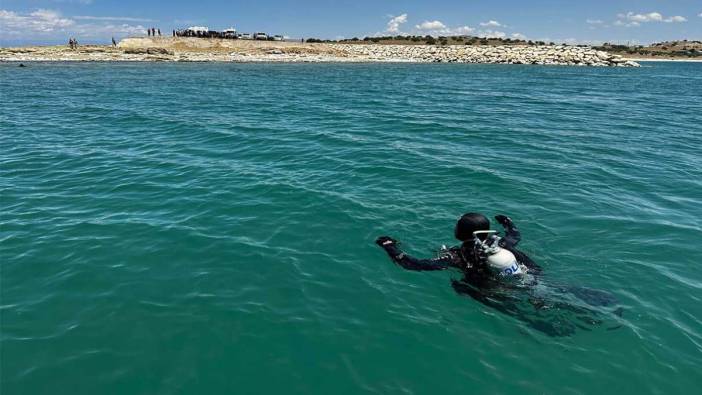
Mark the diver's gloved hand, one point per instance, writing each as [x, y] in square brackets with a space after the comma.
[385, 241]
[503, 220]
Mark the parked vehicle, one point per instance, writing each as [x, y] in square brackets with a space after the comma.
[229, 33]
[197, 30]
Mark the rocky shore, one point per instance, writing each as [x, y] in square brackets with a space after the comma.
[541, 55]
[216, 50]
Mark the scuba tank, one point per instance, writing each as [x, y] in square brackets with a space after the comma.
[500, 260]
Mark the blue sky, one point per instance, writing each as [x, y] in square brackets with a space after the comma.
[589, 21]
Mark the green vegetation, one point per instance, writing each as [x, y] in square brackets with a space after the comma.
[667, 49]
[429, 40]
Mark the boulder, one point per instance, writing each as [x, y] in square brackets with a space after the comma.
[158, 51]
[135, 51]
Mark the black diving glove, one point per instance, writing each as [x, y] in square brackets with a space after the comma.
[503, 220]
[390, 246]
[385, 241]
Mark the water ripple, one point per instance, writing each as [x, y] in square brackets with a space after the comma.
[194, 227]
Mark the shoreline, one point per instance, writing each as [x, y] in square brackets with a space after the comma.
[665, 60]
[179, 49]
[263, 59]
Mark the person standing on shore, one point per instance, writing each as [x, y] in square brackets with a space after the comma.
[159, 32]
[148, 32]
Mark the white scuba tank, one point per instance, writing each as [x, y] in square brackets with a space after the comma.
[500, 261]
[504, 263]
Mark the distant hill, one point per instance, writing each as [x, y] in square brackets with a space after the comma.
[667, 49]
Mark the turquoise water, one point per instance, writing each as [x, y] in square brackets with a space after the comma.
[208, 228]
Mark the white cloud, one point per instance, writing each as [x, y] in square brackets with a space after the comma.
[519, 36]
[631, 19]
[492, 34]
[111, 29]
[395, 22]
[436, 28]
[700, 15]
[594, 21]
[43, 21]
[462, 30]
[47, 24]
[650, 17]
[676, 19]
[431, 25]
[626, 24]
[112, 18]
[491, 23]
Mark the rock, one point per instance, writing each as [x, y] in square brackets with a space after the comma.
[147, 51]
[135, 51]
[158, 51]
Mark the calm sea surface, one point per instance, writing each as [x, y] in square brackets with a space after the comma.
[208, 228]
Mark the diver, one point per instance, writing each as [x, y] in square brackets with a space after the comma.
[498, 275]
[482, 252]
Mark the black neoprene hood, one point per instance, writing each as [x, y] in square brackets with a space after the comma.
[469, 223]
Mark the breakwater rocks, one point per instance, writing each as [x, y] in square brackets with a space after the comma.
[216, 50]
[542, 55]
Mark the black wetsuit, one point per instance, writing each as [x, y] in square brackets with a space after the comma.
[464, 257]
[554, 317]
